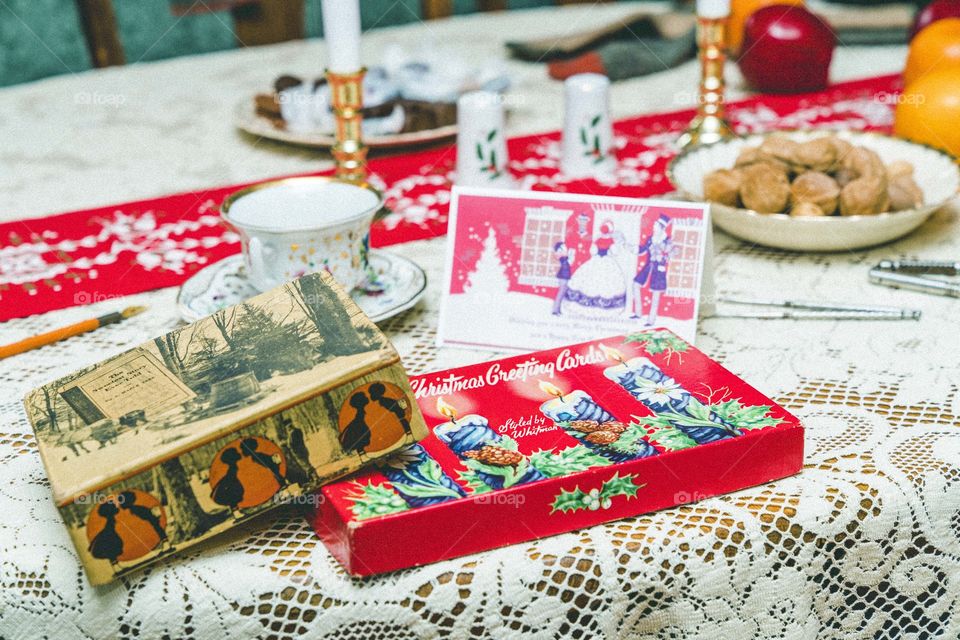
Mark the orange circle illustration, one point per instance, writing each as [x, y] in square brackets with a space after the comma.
[374, 417]
[247, 472]
[126, 526]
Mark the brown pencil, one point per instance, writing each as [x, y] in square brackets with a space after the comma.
[67, 332]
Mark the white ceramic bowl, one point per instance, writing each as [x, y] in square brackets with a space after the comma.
[936, 173]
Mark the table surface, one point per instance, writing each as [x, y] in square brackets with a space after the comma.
[864, 543]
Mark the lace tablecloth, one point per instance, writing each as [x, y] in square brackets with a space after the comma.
[865, 543]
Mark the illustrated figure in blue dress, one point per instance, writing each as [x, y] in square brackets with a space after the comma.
[565, 258]
[658, 250]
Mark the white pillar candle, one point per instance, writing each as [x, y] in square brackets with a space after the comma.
[341, 29]
[713, 9]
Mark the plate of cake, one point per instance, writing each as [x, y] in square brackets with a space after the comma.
[406, 103]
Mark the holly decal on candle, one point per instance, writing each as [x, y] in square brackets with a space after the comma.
[487, 155]
[595, 499]
[590, 139]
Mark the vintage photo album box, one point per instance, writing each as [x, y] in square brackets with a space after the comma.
[553, 441]
[209, 425]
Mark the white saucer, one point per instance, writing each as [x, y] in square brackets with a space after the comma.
[399, 285]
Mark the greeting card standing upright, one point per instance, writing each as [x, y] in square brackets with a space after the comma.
[533, 270]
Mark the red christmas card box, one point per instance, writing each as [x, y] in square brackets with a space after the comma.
[549, 442]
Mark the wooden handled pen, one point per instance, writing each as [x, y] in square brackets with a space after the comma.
[67, 332]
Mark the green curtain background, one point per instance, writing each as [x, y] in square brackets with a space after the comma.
[40, 38]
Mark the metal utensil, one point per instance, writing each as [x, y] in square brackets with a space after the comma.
[915, 275]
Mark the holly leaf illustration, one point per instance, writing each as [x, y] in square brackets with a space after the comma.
[474, 484]
[511, 474]
[583, 136]
[566, 461]
[373, 500]
[508, 443]
[493, 160]
[569, 501]
[671, 438]
[745, 417]
[491, 135]
[479, 152]
[620, 486]
[698, 410]
[595, 121]
[655, 342]
[631, 441]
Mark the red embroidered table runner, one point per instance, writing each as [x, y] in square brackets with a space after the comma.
[85, 256]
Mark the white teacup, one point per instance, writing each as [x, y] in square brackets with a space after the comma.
[296, 226]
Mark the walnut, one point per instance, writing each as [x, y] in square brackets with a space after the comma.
[748, 156]
[865, 196]
[904, 193]
[780, 147]
[817, 188]
[753, 156]
[819, 154]
[723, 186]
[864, 162]
[844, 177]
[841, 147]
[806, 210]
[899, 168]
[764, 189]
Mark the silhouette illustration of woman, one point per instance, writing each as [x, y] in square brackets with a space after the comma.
[249, 448]
[107, 545]
[377, 392]
[127, 500]
[228, 491]
[356, 436]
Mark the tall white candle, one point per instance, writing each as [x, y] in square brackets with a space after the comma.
[341, 29]
[709, 8]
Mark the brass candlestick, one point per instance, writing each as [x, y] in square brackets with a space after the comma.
[709, 125]
[349, 153]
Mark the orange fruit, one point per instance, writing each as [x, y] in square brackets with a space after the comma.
[937, 46]
[740, 10]
[929, 109]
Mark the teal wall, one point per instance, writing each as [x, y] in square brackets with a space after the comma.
[40, 38]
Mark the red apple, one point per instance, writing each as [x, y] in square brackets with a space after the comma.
[786, 49]
[936, 10]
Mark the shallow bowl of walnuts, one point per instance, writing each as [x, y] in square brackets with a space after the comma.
[817, 191]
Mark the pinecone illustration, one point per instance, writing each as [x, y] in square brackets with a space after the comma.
[616, 427]
[495, 456]
[585, 426]
[602, 437]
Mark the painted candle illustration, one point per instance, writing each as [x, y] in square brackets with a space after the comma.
[419, 479]
[663, 395]
[581, 417]
[494, 458]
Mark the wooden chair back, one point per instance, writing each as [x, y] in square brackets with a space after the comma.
[254, 23]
